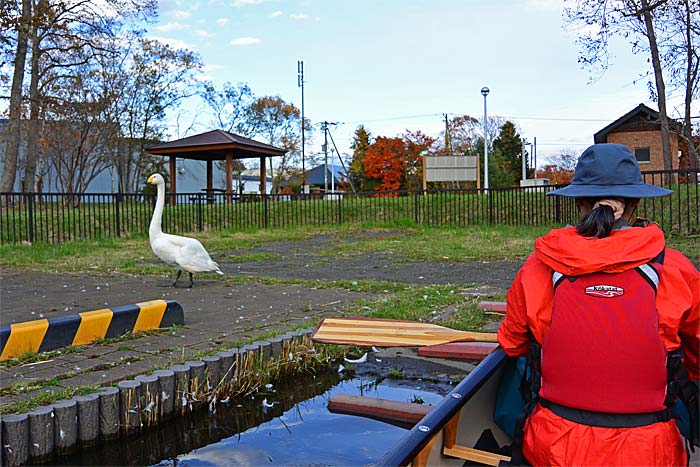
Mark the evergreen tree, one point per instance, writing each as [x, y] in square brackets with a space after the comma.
[507, 148]
[360, 143]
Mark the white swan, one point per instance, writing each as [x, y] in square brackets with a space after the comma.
[183, 253]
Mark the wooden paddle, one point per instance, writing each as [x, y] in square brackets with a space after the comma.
[391, 333]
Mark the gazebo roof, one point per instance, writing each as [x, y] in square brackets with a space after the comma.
[215, 145]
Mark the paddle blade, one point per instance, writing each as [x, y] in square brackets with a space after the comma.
[391, 333]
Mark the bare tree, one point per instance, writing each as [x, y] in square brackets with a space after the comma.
[231, 106]
[681, 58]
[154, 79]
[62, 35]
[13, 134]
[635, 21]
[278, 122]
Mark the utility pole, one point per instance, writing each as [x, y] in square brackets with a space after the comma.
[324, 127]
[300, 83]
[534, 154]
[524, 161]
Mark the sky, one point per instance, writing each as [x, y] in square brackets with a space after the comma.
[394, 65]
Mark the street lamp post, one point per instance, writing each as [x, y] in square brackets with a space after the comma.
[485, 92]
[300, 83]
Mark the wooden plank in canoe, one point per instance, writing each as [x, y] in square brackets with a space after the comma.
[401, 414]
[391, 333]
[461, 350]
[498, 307]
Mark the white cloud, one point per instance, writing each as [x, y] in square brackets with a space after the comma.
[245, 41]
[240, 3]
[210, 67]
[181, 14]
[203, 33]
[222, 21]
[546, 4]
[172, 26]
[175, 43]
[298, 16]
[276, 13]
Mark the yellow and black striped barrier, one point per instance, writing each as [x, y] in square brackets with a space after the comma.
[48, 334]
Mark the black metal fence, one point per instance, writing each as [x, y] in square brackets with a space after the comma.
[59, 217]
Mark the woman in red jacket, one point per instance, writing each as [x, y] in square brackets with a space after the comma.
[606, 302]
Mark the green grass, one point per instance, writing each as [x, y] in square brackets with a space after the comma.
[447, 243]
[134, 255]
[396, 374]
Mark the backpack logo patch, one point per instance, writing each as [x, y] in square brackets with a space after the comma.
[605, 291]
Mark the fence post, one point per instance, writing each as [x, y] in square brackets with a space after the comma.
[265, 210]
[117, 227]
[30, 216]
[415, 206]
[488, 193]
[557, 210]
[340, 208]
[200, 225]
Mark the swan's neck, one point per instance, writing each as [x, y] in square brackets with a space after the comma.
[155, 227]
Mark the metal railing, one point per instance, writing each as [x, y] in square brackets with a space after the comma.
[60, 217]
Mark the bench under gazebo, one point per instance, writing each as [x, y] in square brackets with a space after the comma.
[216, 145]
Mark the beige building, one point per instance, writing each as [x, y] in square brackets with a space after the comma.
[640, 130]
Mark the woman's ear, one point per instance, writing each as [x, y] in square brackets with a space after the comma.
[583, 205]
[630, 207]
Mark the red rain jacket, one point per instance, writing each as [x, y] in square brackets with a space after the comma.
[552, 440]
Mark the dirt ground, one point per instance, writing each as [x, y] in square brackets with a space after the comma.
[216, 312]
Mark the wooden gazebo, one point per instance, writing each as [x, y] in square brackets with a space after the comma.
[216, 145]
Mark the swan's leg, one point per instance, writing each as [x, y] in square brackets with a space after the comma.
[191, 281]
[177, 277]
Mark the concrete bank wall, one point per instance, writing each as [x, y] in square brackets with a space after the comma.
[147, 400]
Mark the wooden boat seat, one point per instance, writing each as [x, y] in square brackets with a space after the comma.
[460, 350]
[498, 307]
[401, 414]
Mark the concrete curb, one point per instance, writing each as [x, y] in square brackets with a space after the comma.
[137, 404]
[48, 334]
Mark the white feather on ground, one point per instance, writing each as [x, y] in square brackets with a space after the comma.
[362, 359]
[184, 253]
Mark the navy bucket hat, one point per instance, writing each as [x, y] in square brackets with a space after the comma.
[608, 170]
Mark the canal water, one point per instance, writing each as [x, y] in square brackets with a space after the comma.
[284, 425]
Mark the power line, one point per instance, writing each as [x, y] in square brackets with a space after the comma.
[402, 117]
[408, 117]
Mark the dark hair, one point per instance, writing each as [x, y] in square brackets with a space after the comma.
[597, 222]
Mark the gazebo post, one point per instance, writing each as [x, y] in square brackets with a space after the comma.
[229, 177]
[173, 180]
[210, 185]
[263, 177]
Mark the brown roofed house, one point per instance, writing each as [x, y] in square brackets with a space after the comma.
[640, 130]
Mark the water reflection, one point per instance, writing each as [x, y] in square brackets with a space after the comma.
[296, 430]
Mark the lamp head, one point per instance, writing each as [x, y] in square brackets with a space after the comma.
[484, 91]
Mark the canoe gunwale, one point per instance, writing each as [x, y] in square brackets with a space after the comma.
[403, 452]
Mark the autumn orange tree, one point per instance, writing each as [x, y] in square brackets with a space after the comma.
[417, 143]
[555, 173]
[385, 164]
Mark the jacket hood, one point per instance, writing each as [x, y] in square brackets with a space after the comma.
[569, 253]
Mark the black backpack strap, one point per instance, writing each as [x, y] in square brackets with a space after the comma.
[529, 389]
[680, 385]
